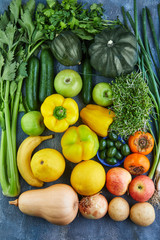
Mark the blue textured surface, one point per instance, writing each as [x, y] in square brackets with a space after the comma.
[16, 226]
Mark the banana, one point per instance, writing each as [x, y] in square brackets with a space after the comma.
[24, 158]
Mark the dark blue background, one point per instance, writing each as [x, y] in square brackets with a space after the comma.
[14, 225]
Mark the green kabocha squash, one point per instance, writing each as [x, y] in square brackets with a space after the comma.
[113, 52]
[66, 48]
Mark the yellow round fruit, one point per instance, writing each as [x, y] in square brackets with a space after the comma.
[47, 165]
[88, 177]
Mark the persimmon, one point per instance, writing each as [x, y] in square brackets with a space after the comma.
[141, 142]
[136, 163]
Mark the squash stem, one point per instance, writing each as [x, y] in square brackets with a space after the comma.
[15, 202]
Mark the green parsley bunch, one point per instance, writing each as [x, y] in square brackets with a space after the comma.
[70, 15]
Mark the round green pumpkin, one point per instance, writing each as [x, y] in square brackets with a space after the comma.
[66, 48]
[113, 52]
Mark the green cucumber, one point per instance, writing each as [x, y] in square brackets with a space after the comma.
[32, 82]
[46, 74]
[87, 81]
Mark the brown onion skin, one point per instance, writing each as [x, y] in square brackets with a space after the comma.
[93, 207]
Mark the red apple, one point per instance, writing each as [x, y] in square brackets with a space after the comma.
[141, 188]
[117, 180]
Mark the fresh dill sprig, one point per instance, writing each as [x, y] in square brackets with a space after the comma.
[131, 103]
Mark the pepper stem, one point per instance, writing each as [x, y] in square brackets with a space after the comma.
[60, 112]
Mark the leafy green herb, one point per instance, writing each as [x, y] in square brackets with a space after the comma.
[85, 22]
[131, 103]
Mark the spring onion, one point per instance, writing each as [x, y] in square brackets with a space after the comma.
[148, 64]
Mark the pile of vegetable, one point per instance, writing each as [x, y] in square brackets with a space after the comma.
[31, 40]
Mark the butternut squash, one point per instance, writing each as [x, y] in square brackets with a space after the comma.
[58, 204]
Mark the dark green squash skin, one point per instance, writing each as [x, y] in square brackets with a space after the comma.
[66, 48]
[112, 60]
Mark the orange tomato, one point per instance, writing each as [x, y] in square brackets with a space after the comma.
[136, 163]
[141, 142]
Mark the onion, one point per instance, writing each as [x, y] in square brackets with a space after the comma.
[93, 207]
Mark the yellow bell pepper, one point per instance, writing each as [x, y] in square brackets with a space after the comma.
[79, 143]
[97, 118]
[59, 112]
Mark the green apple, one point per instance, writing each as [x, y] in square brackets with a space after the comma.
[102, 94]
[32, 123]
[68, 83]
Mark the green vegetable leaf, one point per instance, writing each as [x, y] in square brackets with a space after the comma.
[22, 70]
[81, 33]
[20, 54]
[49, 12]
[10, 32]
[67, 4]
[9, 72]
[27, 23]
[93, 6]
[51, 3]
[74, 22]
[24, 39]
[30, 5]
[3, 37]
[97, 8]
[4, 20]
[10, 56]
[40, 7]
[7, 36]
[15, 10]
[37, 35]
[92, 30]
[63, 25]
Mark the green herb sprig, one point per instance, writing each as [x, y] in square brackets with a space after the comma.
[70, 15]
[131, 103]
